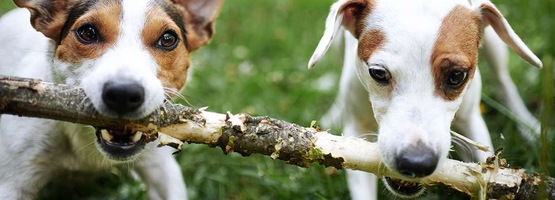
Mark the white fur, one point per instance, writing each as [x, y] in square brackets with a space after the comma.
[407, 110]
[34, 150]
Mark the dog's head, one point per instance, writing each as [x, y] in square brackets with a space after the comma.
[128, 55]
[416, 59]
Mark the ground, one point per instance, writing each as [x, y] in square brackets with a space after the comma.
[256, 64]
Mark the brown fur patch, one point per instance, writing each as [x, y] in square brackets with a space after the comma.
[355, 12]
[456, 47]
[172, 65]
[47, 18]
[369, 43]
[199, 20]
[105, 18]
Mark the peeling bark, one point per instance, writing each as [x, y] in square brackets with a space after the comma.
[174, 124]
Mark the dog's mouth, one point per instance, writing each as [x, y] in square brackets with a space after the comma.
[120, 145]
[403, 189]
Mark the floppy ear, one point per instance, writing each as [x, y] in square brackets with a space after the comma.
[490, 15]
[47, 17]
[344, 12]
[199, 20]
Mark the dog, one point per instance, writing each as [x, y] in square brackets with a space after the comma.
[129, 56]
[410, 71]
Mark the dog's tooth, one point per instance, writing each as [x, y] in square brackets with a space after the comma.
[138, 135]
[105, 135]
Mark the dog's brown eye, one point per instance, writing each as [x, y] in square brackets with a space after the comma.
[381, 75]
[456, 78]
[168, 41]
[87, 34]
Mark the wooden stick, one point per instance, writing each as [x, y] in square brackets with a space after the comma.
[174, 124]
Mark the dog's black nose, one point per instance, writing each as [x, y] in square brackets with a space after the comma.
[123, 96]
[416, 161]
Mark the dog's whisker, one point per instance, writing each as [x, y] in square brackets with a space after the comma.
[128, 166]
[172, 93]
[92, 155]
[162, 107]
[371, 137]
[466, 147]
[85, 103]
[381, 167]
[85, 146]
[104, 161]
[471, 142]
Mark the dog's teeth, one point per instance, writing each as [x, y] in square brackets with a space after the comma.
[138, 135]
[105, 135]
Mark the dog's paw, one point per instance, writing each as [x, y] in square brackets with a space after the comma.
[403, 189]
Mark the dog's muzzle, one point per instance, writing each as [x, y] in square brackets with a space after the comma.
[120, 145]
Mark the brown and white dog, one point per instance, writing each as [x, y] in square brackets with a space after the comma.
[410, 71]
[128, 55]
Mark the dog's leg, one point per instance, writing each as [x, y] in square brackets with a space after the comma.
[21, 181]
[497, 57]
[353, 111]
[357, 122]
[29, 181]
[26, 156]
[469, 120]
[362, 185]
[161, 173]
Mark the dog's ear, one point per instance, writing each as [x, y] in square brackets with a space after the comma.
[47, 17]
[199, 20]
[490, 15]
[348, 13]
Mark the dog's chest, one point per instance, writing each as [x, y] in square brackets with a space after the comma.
[75, 147]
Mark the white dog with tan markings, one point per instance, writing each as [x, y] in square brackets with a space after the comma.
[128, 55]
[410, 71]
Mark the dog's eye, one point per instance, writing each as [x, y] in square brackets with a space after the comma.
[456, 78]
[87, 34]
[381, 75]
[168, 41]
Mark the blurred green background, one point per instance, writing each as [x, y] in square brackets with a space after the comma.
[256, 64]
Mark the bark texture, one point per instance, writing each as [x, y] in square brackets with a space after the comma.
[174, 124]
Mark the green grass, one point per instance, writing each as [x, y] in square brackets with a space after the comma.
[256, 64]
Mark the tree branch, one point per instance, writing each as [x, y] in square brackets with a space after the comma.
[174, 124]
